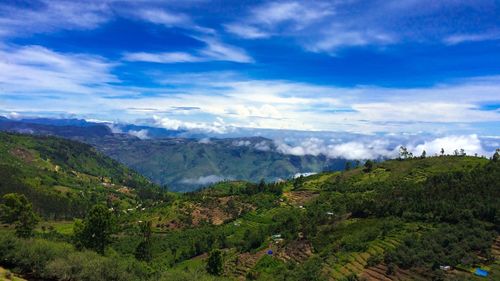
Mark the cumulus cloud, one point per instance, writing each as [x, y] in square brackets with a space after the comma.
[114, 128]
[242, 143]
[205, 141]
[217, 126]
[298, 175]
[351, 150]
[141, 134]
[381, 147]
[471, 144]
[263, 146]
[204, 180]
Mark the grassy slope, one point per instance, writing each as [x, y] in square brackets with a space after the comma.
[50, 170]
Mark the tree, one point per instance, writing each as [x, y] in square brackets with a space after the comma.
[442, 151]
[143, 251]
[496, 156]
[262, 186]
[298, 182]
[424, 154]
[214, 263]
[96, 230]
[368, 165]
[347, 166]
[17, 210]
[403, 152]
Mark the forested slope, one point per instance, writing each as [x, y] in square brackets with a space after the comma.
[63, 178]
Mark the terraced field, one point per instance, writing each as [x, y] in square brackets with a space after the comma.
[6, 275]
[356, 262]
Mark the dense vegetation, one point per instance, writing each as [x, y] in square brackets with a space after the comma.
[420, 218]
[64, 178]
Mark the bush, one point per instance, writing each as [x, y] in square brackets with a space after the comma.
[33, 255]
[61, 261]
[89, 265]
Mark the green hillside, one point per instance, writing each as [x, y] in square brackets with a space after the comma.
[395, 220]
[63, 178]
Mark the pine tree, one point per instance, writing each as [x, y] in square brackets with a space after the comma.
[496, 156]
[144, 249]
[368, 166]
[424, 154]
[214, 264]
[96, 230]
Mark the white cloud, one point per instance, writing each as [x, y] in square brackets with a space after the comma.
[462, 38]
[382, 147]
[51, 16]
[246, 31]
[371, 149]
[173, 57]
[300, 13]
[242, 143]
[114, 129]
[470, 143]
[49, 79]
[339, 36]
[35, 69]
[213, 51]
[263, 146]
[264, 21]
[174, 124]
[216, 50]
[204, 180]
[170, 19]
[141, 134]
[205, 141]
[330, 26]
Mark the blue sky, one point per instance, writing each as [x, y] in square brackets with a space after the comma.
[393, 67]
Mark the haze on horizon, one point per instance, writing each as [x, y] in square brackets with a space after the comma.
[425, 70]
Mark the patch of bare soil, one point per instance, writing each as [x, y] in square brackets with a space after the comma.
[243, 264]
[300, 198]
[22, 154]
[296, 251]
[380, 273]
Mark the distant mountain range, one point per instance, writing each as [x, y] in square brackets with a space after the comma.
[169, 158]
